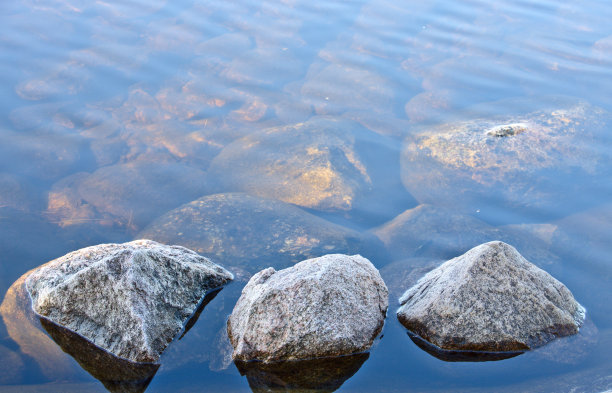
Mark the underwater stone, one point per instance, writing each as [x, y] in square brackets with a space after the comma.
[490, 299]
[130, 299]
[329, 306]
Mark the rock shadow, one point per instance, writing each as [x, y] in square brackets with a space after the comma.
[460, 356]
[314, 375]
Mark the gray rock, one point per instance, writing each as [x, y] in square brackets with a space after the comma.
[130, 299]
[489, 299]
[519, 162]
[323, 307]
[240, 230]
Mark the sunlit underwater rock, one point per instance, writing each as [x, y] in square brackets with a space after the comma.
[241, 230]
[130, 299]
[437, 232]
[490, 299]
[23, 327]
[325, 164]
[130, 195]
[315, 375]
[538, 162]
[329, 306]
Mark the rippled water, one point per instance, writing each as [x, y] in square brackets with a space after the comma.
[112, 114]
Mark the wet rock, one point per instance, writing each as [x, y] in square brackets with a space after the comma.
[46, 156]
[523, 162]
[135, 193]
[323, 307]
[241, 230]
[435, 232]
[314, 375]
[130, 299]
[11, 366]
[324, 164]
[490, 299]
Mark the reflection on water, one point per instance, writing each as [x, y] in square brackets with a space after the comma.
[117, 374]
[176, 119]
[316, 375]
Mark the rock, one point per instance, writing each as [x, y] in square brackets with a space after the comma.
[325, 164]
[245, 231]
[520, 163]
[302, 376]
[11, 365]
[329, 306]
[130, 299]
[436, 232]
[17, 193]
[489, 299]
[134, 194]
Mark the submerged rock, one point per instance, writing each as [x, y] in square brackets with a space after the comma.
[489, 299]
[437, 232]
[130, 299]
[324, 164]
[11, 365]
[521, 162]
[241, 230]
[323, 307]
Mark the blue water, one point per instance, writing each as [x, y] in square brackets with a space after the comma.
[88, 85]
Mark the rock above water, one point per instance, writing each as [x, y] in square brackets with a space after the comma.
[130, 299]
[489, 299]
[241, 230]
[523, 162]
[323, 307]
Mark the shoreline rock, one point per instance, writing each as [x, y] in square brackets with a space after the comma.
[329, 306]
[490, 299]
[130, 299]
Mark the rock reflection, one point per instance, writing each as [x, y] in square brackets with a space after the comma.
[315, 375]
[460, 356]
[116, 374]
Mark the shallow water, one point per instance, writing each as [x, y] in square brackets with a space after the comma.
[112, 114]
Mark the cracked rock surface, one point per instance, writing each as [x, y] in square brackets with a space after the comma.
[490, 299]
[130, 299]
[322, 307]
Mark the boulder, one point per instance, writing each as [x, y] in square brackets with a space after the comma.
[240, 230]
[128, 195]
[489, 299]
[438, 232]
[130, 299]
[514, 165]
[325, 164]
[329, 306]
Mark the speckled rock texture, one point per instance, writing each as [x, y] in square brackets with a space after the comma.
[130, 299]
[489, 299]
[241, 230]
[534, 155]
[323, 307]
